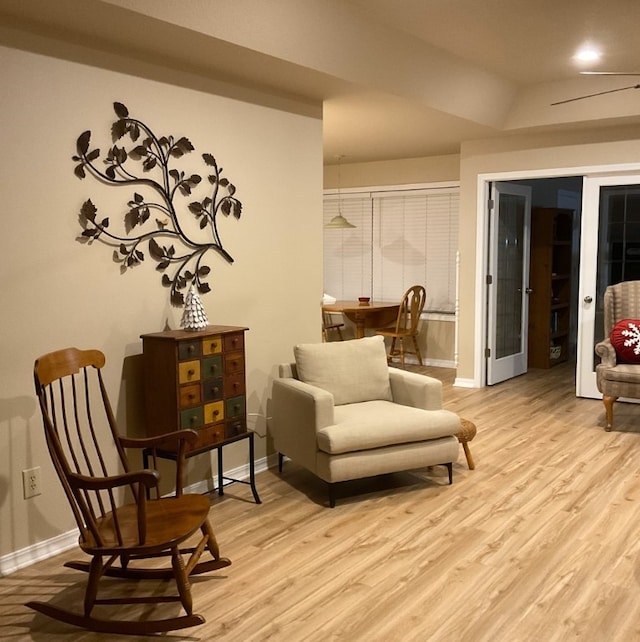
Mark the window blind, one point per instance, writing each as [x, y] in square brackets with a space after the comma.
[347, 252]
[402, 238]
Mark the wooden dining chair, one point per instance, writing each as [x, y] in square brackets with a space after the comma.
[329, 324]
[406, 326]
[89, 457]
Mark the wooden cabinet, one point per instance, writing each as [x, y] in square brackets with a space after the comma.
[550, 282]
[196, 380]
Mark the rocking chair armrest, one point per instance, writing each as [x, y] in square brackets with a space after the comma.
[178, 441]
[149, 478]
[168, 439]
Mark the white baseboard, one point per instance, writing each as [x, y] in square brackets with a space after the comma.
[436, 363]
[13, 562]
[439, 363]
[464, 383]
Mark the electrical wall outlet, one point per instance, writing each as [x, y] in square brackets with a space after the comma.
[31, 482]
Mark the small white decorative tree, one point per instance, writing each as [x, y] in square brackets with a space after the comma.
[194, 317]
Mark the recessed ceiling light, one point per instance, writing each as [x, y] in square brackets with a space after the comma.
[587, 53]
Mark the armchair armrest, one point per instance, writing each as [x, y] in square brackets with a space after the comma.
[606, 352]
[298, 411]
[416, 390]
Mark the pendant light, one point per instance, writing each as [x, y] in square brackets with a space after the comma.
[339, 222]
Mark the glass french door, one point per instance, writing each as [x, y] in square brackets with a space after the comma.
[508, 281]
[609, 254]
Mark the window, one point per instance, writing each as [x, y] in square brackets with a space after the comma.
[402, 238]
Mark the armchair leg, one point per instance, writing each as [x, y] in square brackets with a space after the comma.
[608, 405]
[450, 471]
[280, 462]
[332, 495]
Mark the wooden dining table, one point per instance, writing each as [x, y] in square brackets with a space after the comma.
[366, 315]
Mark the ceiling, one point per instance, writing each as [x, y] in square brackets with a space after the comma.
[401, 79]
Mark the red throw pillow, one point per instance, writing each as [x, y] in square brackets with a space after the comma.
[625, 338]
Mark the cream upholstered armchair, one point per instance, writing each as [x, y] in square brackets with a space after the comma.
[618, 373]
[342, 413]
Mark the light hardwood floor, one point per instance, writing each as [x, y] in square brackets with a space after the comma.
[540, 543]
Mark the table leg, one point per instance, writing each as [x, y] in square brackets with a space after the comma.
[221, 477]
[220, 472]
[252, 470]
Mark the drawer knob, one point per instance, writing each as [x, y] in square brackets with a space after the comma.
[216, 413]
[215, 390]
[191, 372]
[191, 348]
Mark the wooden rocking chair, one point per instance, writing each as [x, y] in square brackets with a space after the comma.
[78, 422]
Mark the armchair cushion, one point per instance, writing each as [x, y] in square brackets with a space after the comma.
[621, 374]
[375, 424]
[352, 371]
[625, 338]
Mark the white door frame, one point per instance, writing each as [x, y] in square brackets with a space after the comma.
[482, 242]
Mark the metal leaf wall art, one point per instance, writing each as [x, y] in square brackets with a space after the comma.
[156, 218]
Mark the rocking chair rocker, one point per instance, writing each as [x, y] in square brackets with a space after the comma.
[74, 406]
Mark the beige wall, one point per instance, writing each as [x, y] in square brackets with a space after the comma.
[57, 292]
[436, 169]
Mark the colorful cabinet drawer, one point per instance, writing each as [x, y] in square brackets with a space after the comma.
[196, 380]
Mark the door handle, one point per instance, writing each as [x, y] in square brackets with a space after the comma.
[529, 290]
[588, 299]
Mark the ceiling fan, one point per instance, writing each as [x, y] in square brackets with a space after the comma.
[600, 93]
